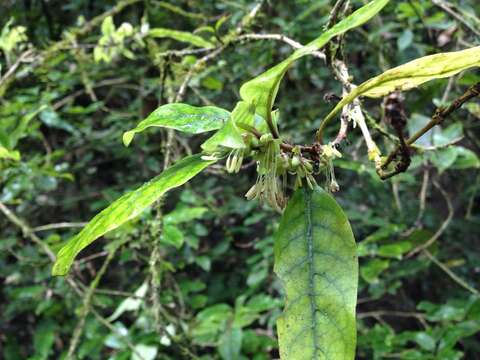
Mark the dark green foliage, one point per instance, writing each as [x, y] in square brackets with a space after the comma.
[66, 105]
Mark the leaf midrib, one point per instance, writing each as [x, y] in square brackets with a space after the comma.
[311, 270]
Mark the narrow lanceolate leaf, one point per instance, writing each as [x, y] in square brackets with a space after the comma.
[183, 36]
[181, 117]
[263, 89]
[127, 207]
[413, 74]
[315, 257]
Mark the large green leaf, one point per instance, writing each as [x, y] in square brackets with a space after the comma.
[315, 257]
[413, 74]
[182, 117]
[182, 36]
[127, 207]
[263, 89]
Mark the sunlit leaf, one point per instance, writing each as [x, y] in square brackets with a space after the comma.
[263, 89]
[9, 154]
[315, 257]
[127, 207]
[413, 74]
[182, 36]
[181, 117]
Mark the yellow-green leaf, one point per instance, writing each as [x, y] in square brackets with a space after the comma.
[262, 90]
[9, 154]
[413, 74]
[183, 36]
[315, 257]
[128, 207]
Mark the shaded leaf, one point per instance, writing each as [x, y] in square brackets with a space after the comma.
[315, 257]
[413, 74]
[184, 214]
[172, 235]
[372, 270]
[181, 117]
[395, 250]
[230, 344]
[183, 36]
[263, 89]
[128, 207]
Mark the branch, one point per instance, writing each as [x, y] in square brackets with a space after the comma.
[442, 227]
[438, 117]
[86, 308]
[280, 37]
[450, 273]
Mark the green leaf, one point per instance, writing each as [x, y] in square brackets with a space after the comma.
[413, 74]
[372, 270]
[315, 257]
[184, 214]
[454, 157]
[183, 36]
[263, 89]
[395, 250]
[230, 344]
[182, 117]
[128, 207]
[465, 159]
[9, 154]
[172, 235]
[230, 136]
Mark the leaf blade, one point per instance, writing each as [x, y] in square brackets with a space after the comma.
[127, 207]
[315, 257]
[181, 117]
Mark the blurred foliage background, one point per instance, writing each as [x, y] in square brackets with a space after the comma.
[76, 74]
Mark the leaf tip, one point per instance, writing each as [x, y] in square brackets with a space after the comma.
[128, 137]
[59, 269]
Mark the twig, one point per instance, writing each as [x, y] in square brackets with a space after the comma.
[446, 7]
[450, 273]
[118, 293]
[438, 117]
[26, 230]
[423, 195]
[11, 70]
[442, 227]
[62, 225]
[86, 308]
[279, 37]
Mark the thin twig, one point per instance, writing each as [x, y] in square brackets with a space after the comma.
[62, 225]
[26, 230]
[450, 273]
[86, 307]
[460, 18]
[438, 117]
[442, 227]
[280, 37]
